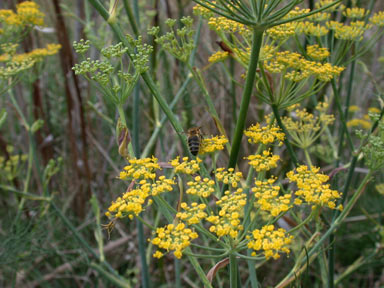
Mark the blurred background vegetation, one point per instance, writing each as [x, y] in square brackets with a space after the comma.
[77, 142]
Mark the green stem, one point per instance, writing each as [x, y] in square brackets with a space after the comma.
[308, 158]
[131, 18]
[145, 278]
[120, 109]
[347, 102]
[26, 195]
[145, 223]
[177, 273]
[304, 222]
[246, 97]
[233, 270]
[252, 270]
[286, 141]
[341, 113]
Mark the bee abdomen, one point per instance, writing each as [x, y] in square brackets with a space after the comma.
[194, 145]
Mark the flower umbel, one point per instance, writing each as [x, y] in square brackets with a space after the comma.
[140, 169]
[227, 222]
[186, 167]
[213, 144]
[229, 177]
[263, 162]
[265, 135]
[192, 214]
[173, 238]
[201, 187]
[312, 188]
[268, 199]
[271, 241]
[131, 203]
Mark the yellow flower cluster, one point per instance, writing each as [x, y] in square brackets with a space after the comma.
[192, 215]
[322, 3]
[267, 52]
[35, 55]
[131, 203]
[13, 68]
[319, 17]
[10, 168]
[317, 53]
[27, 13]
[374, 110]
[160, 186]
[271, 241]
[295, 12]
[378, 19]
[229, 177]
[222, 24]
[16, 63]
[243, 55]
[283, 32]
[365, 124]
[186, 167]
[210, 145]
[286, 30]
[201, 187]
[380, 188]
[268, 199]
[9, 17]
[173, 238]
[355, 12]
[312, 188]
[218, 56]
[265, 135]
[203, 11]
[301, 68]
[354, 31]
[228, 220]
[305, 127]
[263, 162]
[140, 169]
[354, 108]
[312, 29]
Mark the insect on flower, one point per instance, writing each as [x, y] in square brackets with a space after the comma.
[195, 138]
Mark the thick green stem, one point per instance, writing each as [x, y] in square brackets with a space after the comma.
[131, 18]
[252, 270]
[233, 271]
[247, 93]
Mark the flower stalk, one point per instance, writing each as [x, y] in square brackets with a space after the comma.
[257, 39]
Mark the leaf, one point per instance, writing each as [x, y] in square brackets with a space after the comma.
[214, 269]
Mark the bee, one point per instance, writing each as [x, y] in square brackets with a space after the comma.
[195, 137]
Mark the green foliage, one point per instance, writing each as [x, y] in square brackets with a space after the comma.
[66, 136]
